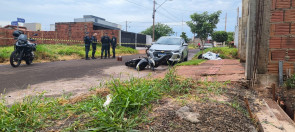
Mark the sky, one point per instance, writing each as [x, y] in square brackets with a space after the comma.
[137, 13]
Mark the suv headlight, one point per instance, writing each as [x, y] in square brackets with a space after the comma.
[151, 50]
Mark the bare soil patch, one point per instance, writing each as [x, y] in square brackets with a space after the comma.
[220, 109]
[220, 113]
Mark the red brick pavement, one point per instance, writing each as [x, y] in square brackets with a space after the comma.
[214, 70]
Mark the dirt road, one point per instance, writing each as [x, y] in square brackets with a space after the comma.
[64, 72]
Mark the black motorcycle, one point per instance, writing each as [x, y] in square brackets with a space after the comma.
[23, 49]
[141, 63]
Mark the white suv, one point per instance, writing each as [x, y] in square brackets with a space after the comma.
[170, 46]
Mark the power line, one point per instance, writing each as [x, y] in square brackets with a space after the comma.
[169, 12]
[162, 14]
[137, 4]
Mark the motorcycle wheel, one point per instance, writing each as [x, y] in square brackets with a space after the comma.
[15, 59]
[29, 62]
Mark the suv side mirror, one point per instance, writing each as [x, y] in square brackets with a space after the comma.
[184, 44]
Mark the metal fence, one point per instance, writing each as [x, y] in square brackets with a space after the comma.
[132, 40]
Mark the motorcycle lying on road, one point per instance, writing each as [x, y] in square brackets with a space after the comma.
[141, 63]
[23, 49]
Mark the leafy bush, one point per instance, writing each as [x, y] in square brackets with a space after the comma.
[290, 83]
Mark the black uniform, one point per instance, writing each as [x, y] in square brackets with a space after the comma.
[114, 44]
[93, 42]
[87, 42]
[105, 40]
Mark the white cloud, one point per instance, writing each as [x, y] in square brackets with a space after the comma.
[4, 23]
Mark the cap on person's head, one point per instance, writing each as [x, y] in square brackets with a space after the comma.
[86, 33]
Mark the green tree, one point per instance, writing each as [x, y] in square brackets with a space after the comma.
[203, 24]
[219, 36]
[230, 36]
[183, 35]
[160, 30]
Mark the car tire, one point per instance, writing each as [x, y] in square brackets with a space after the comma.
[171, 63]
[186, 58]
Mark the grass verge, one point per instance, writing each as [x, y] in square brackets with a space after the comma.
[130, 101]
[224, 52]
[191, 62]
[57, 52]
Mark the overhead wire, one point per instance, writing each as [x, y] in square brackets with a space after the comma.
[174, 18]
[137, 4]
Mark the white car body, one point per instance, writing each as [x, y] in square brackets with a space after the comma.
[178, 50]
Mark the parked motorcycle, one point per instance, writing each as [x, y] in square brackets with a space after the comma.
[23, 49]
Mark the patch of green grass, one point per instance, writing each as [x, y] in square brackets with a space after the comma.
[191, 62]
[212, 87]
[54, 52]
[193, 46]
[224, 52]
[130, 102]
[125, 50]
[5, 53]
[31, 114]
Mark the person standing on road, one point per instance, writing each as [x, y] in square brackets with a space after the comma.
[94, 43]
[105, 40]
[114, 44]
[87, 41]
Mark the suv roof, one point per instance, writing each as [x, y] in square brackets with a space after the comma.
[170, 37]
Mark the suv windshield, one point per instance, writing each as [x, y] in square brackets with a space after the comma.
[168, 41]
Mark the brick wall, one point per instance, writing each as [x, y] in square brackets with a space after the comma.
[282, 35]
[65, 33]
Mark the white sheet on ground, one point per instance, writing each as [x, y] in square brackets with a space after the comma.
[211, 56]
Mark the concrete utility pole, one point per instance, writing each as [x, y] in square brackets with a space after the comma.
[225, 22]
[154, 12]
[238, 16]
[182, 25]
[126, 26]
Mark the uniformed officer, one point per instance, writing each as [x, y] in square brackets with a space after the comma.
[87, 42]
[114, 44]
[94, 43]
[105, 40]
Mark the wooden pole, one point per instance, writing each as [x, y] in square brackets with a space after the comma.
[248, 108]
[273, 91]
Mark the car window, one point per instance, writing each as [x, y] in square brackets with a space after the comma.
[169, 41]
